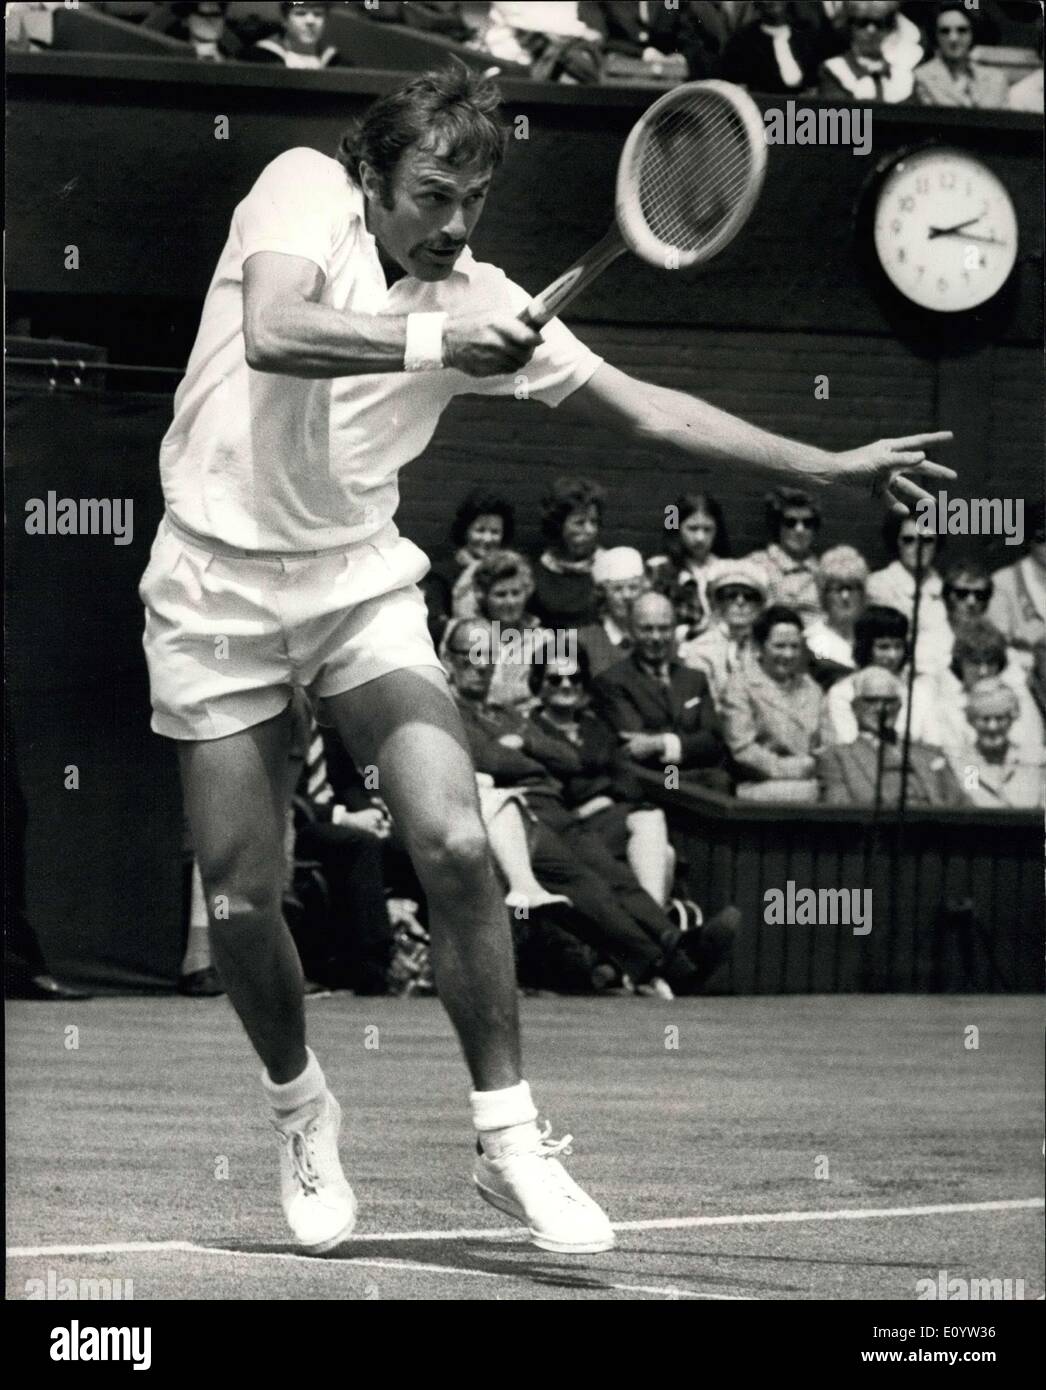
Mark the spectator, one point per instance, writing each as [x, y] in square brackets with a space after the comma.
[619, 578]
[979, 652]
[773, 712]
[691, 616]
[503, 583]
[29, 27]
[865, 72]
[612, 913]
[203, 25]
[352, 947]
[867, 772]
[904, 46]
[1018, 602]
[484, 523]
[674, 43]
[548, 37]
[830, 642]
[1027, 93]
[774, 53]
[894, 587]
[694, 554]
[605, 795]
[881, 640]
[951, 77]
[571, 517]
[446, 17]
[792, 571]
[597, 782]
[301, 43]
[994, 775]
[737, 595]
[663, 711]
[1037, 677]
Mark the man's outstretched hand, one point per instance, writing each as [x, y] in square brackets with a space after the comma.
[889, 468]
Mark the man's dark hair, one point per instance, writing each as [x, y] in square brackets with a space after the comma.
[452, 112]
[968, 569]
[891, 531]
[770, 617]
[786, 499]
[565, 496]
[481, 502]
[878, 621]
[979, 642]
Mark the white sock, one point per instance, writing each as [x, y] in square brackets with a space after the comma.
[287, 1096]
[505, 1120]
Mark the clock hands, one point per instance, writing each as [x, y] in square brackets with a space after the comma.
[952, 231]
[966, 236]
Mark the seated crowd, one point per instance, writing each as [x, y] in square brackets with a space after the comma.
[934, 54]
[787, 675]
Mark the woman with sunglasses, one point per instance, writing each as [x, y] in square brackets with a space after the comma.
[598, 783]
[607, 800]
[894, 587]
[951, 77]
[792, 569]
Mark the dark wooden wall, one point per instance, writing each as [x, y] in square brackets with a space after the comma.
[118, 157]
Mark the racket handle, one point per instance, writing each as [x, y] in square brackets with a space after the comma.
[568, 286]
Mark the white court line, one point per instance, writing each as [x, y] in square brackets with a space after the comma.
[667, 1223]
[185, 1246]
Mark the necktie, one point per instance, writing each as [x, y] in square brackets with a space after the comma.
[791, 72]
[317, 781]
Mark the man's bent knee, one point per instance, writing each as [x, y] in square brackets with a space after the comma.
[457, 858]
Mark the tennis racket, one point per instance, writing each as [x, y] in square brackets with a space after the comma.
[688, 178]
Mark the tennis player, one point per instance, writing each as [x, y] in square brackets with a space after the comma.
[345, 313]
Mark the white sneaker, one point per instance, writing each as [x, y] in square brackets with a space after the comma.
[655, 988]
[318, 1202]
[535, 1188]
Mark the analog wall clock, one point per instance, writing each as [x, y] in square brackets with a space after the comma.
[944, 229]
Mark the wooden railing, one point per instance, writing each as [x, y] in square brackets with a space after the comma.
[956, 897]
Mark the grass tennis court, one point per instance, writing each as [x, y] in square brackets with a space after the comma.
[705, 1155]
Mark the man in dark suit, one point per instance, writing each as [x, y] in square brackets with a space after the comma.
[662, 710]
[689, 36]
[850, 772]
[772, 54]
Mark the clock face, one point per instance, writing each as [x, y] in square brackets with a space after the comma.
[945, 230]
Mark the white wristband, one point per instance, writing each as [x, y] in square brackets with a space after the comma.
[424, 347]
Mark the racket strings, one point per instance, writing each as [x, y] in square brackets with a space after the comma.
[694, 172]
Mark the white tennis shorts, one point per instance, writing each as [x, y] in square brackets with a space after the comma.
[229, 633]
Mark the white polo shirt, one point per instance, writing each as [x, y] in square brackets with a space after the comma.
[268, 462]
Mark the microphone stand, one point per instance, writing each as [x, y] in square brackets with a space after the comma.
[920, 574]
